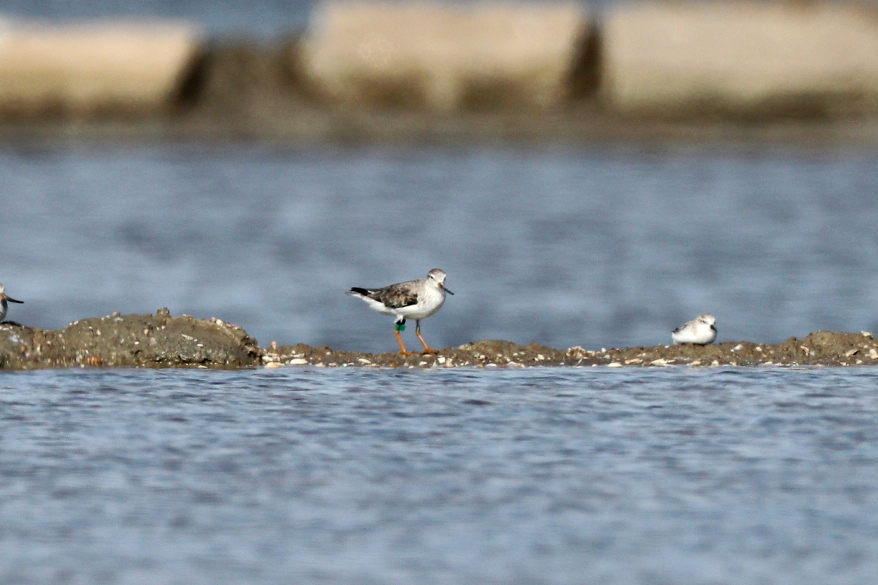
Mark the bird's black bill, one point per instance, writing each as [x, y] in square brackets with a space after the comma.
[446, 290]
[11, 300]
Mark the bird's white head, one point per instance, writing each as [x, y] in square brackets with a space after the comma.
[437, 276]
[707, 318]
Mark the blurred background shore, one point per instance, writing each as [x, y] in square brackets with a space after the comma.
[363, 71]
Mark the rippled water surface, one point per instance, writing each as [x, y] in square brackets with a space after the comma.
[224, 18]
[601, 245]
[221, 18]
[467, 476]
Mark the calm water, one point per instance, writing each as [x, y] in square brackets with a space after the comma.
[604, 245]
[223, 17]
[253, 18]
[539, 476]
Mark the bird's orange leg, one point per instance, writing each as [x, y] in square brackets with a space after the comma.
[427, 348]
[402, 348]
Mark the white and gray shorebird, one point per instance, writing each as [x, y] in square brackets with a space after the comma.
[4, 306]
[413, 299]
[699, 331]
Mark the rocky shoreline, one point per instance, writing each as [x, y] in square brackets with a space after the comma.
[163, 341]
[129, 341]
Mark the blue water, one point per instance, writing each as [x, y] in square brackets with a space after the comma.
[218, 18]
[253, 18]
[549, 476]
[599, 245]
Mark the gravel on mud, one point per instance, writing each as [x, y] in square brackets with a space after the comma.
[160, 341]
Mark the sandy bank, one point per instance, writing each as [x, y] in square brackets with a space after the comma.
[160, 340]
[822, 348]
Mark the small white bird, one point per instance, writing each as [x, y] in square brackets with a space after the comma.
[413, 299]
[699, 331]
[3, 304]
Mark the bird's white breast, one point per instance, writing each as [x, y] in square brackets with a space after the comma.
[697, 332]
[430, 300]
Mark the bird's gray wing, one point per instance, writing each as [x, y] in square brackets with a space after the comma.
[397, 296]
